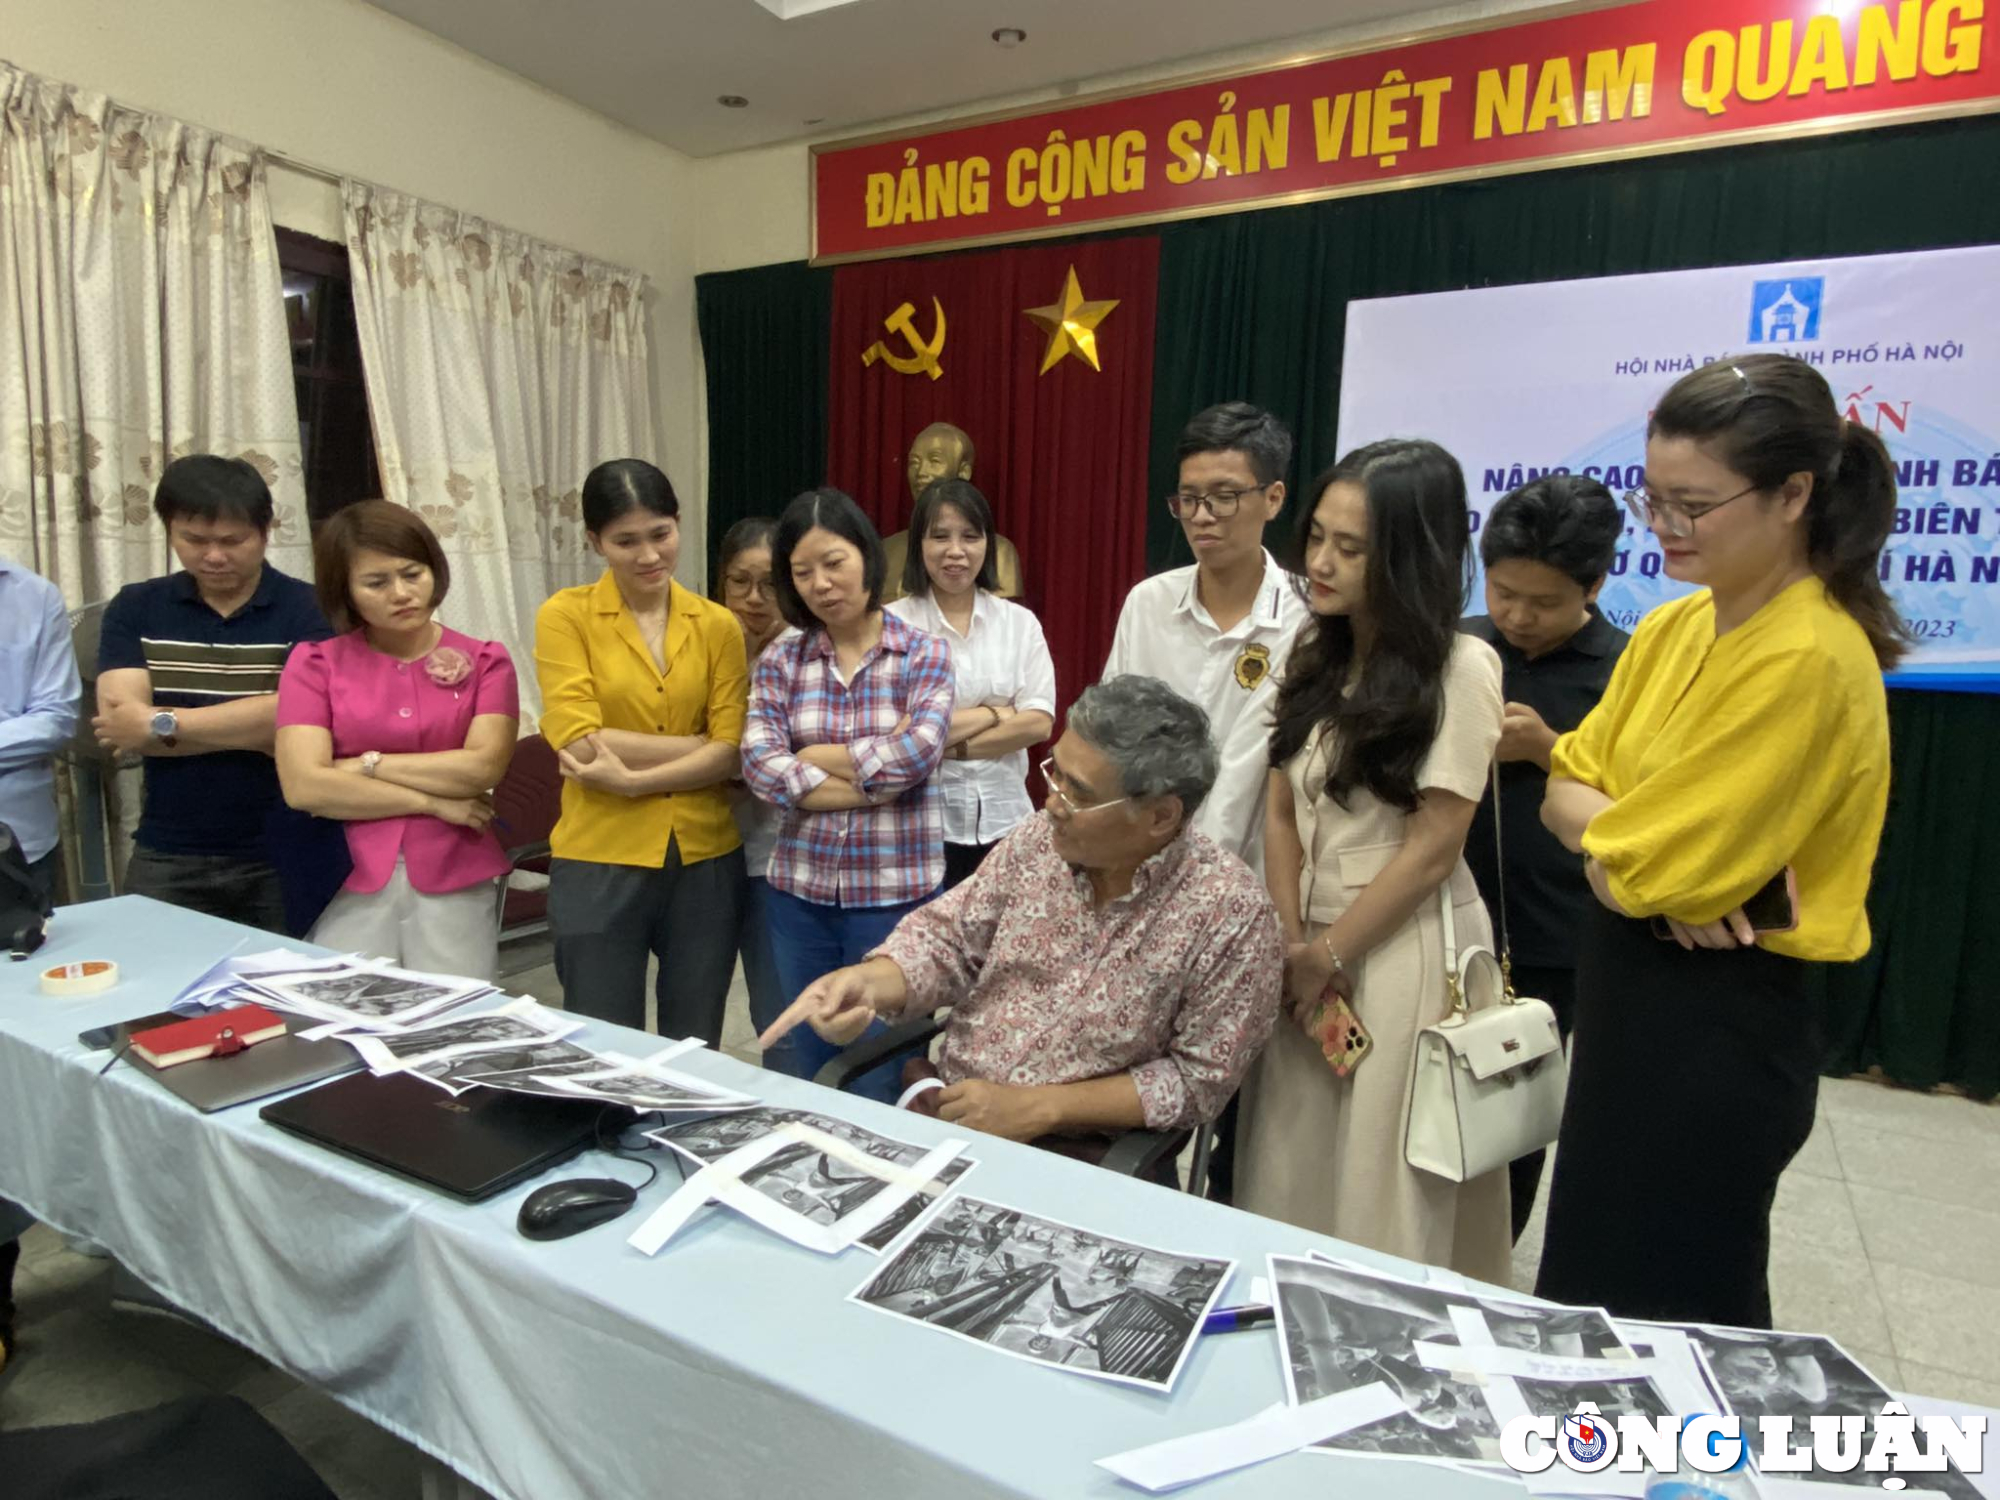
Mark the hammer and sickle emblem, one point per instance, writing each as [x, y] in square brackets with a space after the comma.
[923, 356]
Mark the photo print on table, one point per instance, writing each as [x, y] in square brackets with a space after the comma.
[367, 995]
[518, 1023]
[1048, 1292]
[1761, 1373]
[810, 1181]
[457, 1072]
[645, 1086]
[1341, 1328]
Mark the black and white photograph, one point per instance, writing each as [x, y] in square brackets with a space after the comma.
[653, 1090]
[368, 995]
[499, 1067]
[1048, 1292]
[806, 1179]
[1342, 1328]
[519, 1023]
[541, 1077]
[1803, 1375]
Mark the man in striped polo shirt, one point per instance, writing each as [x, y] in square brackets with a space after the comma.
[187, 676]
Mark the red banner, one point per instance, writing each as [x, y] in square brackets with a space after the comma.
[1660, 75]
[1060, 454]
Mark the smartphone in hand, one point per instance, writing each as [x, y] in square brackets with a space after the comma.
[1774, 907]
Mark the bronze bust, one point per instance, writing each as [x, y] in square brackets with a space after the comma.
[944, 451]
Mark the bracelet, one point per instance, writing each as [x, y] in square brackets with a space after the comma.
[1325, 940]
[997, 720]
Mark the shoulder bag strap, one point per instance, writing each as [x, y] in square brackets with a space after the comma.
[1500, 875]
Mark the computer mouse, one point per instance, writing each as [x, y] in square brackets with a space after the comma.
[565, 1208]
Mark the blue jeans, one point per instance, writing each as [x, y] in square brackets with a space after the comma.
[809, 941]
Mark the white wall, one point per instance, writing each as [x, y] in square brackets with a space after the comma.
[753, 204]
[348, 87]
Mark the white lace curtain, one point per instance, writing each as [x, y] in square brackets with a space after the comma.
[500, 371]
[141, 317]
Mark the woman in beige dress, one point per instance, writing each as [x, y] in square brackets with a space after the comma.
[1384, 729]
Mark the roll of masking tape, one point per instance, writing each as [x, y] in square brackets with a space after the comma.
[85, 978]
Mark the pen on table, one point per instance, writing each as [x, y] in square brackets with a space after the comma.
[1229, 1319]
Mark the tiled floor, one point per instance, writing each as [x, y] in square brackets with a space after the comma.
[1886, 1235]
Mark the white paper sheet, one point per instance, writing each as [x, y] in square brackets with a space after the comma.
[1524, 1364]
[1272, 1433]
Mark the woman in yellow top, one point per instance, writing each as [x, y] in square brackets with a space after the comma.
[1744, 740]
[643, 694]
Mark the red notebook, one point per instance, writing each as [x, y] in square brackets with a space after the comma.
[215, 1035]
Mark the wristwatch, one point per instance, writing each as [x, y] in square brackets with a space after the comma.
[370, 759]
[165, 726]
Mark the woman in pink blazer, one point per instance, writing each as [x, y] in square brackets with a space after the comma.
[401, 727]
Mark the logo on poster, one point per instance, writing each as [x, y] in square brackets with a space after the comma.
[1786, 312]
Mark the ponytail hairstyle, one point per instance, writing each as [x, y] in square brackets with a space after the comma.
[1768, 417]
[1419, 573]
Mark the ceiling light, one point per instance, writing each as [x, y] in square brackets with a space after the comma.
[1010, 36]
[732, 101]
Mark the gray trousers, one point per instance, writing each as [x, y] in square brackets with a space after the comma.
[236, 890]
[608, 919]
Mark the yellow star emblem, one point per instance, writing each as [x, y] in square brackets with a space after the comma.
[1071, 325]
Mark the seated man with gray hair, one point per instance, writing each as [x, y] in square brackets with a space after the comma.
[1108, 968]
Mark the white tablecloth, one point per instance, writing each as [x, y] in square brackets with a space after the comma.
[730, 1365]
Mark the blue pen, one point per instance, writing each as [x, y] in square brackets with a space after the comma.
[1230, 1319]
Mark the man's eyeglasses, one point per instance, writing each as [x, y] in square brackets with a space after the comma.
[1675, 519]
[745, 583]
[1060, 791]
[1222, 504]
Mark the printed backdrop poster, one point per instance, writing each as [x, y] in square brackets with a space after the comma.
[1523, 380]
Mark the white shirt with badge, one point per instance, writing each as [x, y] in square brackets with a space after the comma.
[1164, 632]
[1002, 660]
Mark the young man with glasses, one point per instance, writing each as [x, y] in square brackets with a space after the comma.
[1108, 967]
[1215, 632]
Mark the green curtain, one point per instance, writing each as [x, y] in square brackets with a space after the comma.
[764, 343]
[1924, 1005]
[1255, 306]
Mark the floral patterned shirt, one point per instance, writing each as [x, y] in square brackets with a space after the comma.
[1177, 982]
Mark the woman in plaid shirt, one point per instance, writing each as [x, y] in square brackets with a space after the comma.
[848, 719]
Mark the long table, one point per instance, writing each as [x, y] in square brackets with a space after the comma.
[731, 1364]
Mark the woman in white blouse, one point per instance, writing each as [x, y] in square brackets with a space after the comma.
[1005, 679]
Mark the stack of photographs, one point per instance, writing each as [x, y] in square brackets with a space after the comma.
[362, 995]
[404, 1048]
[1049, 1292]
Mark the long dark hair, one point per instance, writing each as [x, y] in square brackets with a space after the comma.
[1768, 417]
[962, 497]
[1419, 572]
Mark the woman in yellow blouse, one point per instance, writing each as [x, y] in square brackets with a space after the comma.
[1744, 740]
[643, 694]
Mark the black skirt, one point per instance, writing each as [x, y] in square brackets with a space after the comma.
[1693, 1081]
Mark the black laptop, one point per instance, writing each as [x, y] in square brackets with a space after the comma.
[212, 1083]
[471, 1145]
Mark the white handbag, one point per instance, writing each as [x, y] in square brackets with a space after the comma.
[1487, 1082]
